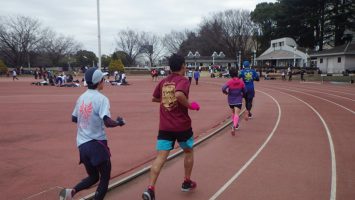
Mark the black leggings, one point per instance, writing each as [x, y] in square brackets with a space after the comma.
[248, 103]
[102, 172]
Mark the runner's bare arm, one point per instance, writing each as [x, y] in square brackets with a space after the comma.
[110, 123]
[181, 97]
[154, 99]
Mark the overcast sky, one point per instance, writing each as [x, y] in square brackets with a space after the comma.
[78, 18]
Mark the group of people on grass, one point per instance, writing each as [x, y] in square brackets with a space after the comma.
[119, 78]
[59, 80]
[91, 114]
[67, 80]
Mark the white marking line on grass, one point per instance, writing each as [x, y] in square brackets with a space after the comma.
[310, 82]
[230, 181]
[353, 112]
[332, 151]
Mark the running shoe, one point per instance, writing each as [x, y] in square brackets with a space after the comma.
[188, 185]
[237, 127]
[66, 194]
[233, 130]
[148, 194]
[250, 115]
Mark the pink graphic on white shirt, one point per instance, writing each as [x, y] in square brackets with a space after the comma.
[85, 114]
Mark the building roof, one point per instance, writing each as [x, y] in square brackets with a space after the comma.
[278, 55]
[338, 50]
[209, 58]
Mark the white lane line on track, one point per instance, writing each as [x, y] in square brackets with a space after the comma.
[351, 94]
[44, 191]
[332, 151]
[353, 112]
[241, 170]
[327, 94]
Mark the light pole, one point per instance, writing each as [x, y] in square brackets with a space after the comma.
[28, 60]
[196, 55]
[98, 32]
[190, 55]
[213, 56]
[69, 68]
[239, 59]
[254, 55]
[294, 56]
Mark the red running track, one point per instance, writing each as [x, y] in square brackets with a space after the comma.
[299, 145]
[283, 153]
[38, 140]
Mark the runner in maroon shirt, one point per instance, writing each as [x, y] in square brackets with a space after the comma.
[175, 124]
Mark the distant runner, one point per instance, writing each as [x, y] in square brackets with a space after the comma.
[249, 75]
[235, 89]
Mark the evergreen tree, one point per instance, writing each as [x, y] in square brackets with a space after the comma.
[341, 18]
[311, 23]
[264, 16]
[116, 65]
[3, 68]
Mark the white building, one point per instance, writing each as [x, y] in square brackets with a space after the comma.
[283, 52]
[196, 60]
[336, 60]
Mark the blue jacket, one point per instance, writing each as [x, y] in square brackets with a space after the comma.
[196, 74]
[249, 75]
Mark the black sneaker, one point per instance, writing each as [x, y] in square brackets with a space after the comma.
[188, 185]
[250, 115]
[237, 127]
[148, 195]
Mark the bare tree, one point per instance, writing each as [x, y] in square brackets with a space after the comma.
[173, 41]
[129, 41]
[18, 37]
[237, 29]
[229, 31]
[211, 37]
[152, 47]
[56, 47]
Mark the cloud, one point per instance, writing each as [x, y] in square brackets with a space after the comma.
[78, 18]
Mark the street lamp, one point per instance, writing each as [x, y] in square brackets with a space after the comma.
[254, 55]
[28, 61]
[196, 55]
[69, 68]
[239, 59]
[294, 56]
[306, 65]
[213, 56]
[99, 32]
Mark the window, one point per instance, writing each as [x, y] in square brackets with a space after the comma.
[339, 59]
[321, 60]
[273, 44]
